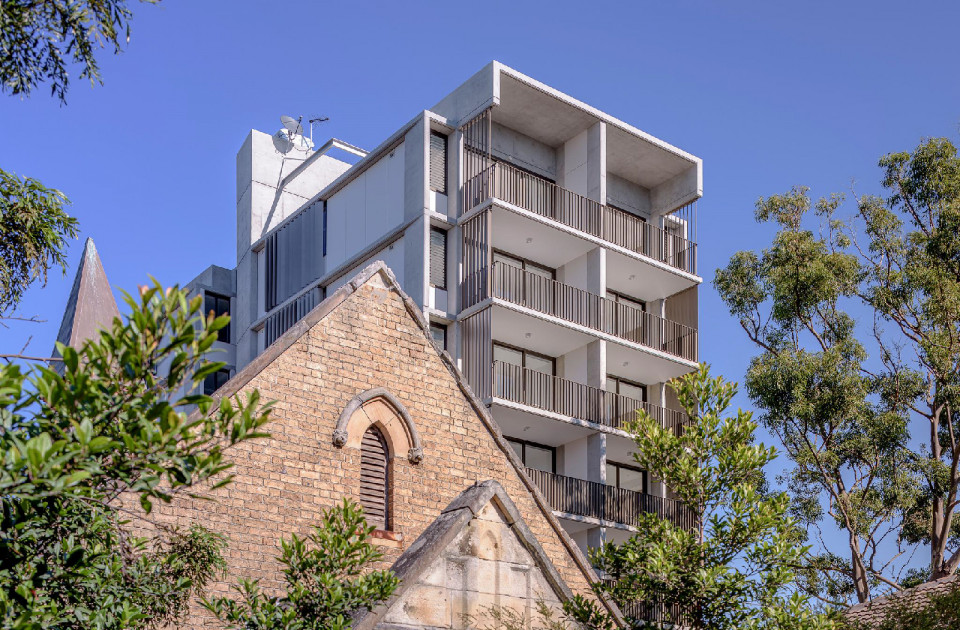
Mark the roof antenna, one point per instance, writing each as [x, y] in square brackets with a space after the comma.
[316, 119]
[293, 132]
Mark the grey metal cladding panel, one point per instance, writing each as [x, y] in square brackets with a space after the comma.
[295, 258]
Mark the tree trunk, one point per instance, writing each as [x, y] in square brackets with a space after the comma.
[937, 541]
[860, 584]
[939, 535]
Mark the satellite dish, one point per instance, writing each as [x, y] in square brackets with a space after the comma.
[292, 126]
[291, 136]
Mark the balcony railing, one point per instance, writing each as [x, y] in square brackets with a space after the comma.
[653, 612]
[569, 398]
[289, 314]
[608, 503]
[542, 197]
[624, 321]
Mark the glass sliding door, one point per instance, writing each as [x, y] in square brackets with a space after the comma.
[524, 376]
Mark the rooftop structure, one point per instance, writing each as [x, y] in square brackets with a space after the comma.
[551, 246]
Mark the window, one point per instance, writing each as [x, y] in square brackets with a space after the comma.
[620, 298]
[324, 227]
[524, 377]
[270, 272]
[623, 399]
[439, 332]
[218, 305]
[627, 388]
[522, 263]
[523, 358]
[374, 478]
[533, 455]
[215, 381]
[438, 258]
[524, 281]
[626, 477]
[630, 317]
[438, 162]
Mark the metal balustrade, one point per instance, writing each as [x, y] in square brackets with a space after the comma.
[569, 398]
[653, 612]
[624, 321]
[289, 314]
[608, 503]
[542, 197]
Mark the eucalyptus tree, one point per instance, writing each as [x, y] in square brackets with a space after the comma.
[40, 40]
[34, 230]
[857, 324]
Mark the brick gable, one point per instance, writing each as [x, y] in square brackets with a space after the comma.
[366, 335]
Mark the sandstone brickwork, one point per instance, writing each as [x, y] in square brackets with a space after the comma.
[367, 335]
[476, 558]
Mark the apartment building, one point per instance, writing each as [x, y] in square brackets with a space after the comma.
[551, 246]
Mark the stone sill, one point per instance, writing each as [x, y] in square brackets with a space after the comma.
[384, 538]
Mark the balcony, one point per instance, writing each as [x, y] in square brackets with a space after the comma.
[577, 306]
[546, 199]
[606, 503]
[569, 398]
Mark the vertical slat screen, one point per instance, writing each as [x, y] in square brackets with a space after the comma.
[477, 159]
[373, 478]
[438, 162]
[683, 309]
[438, 258]
[477, 255]
[293, 257]
[477, 344]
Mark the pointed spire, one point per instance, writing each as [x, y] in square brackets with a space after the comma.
[91, 306]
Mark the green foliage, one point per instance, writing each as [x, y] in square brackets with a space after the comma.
[735, 567]
[33, 232]
[503, 618]
[848, 421]
[327, 579]
[78, 448]
[39, 38]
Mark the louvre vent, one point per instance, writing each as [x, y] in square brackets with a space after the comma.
[373, 478]
[438, 258]
[438, 162]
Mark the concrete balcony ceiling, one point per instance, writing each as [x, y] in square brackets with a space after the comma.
[553, 118]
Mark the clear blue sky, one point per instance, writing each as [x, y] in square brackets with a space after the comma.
[769, 94]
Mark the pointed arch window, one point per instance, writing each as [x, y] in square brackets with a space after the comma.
[374, 478]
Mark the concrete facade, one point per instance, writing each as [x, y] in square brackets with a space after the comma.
[603, 207]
